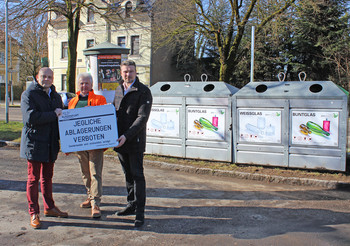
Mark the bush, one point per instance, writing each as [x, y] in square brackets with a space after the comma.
[17, 91]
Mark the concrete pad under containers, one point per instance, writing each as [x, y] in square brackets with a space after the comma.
[191, 120]
[300, 124]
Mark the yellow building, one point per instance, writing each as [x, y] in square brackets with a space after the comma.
[13, 65]
[135, 34]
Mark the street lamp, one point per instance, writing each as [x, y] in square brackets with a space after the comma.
[6, 64]
[6, 60]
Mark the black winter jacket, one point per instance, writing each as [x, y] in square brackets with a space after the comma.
[40, 137]
[133, 111]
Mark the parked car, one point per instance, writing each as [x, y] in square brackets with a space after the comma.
[66, 97]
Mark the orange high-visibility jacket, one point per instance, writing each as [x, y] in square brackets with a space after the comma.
[93, 100]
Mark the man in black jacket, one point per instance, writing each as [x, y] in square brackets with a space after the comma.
[41, 105]
[133, 103]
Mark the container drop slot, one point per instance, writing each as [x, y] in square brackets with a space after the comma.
[165, 87]
[315, 88]
[209, 87]
[261, 88]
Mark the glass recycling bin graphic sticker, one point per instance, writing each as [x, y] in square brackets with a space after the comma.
[164, 121]
[206, 123]
[315, 127]
[260, 126]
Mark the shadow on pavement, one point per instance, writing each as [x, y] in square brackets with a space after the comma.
[325, 195]
[243, 222]
[246, 220]
[240, 222]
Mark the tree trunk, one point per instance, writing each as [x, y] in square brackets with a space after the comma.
[223, 74]
[71, 70]
[73, 32]
[72, 59]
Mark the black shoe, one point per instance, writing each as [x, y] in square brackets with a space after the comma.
[139, 220]
[128, 210]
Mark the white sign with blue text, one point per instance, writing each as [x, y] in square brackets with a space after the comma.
[88, 128]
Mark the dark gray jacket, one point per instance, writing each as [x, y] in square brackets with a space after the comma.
[133, 111]
[40, 137]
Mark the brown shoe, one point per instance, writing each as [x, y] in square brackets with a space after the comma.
[55, 212]
[95, 212]
[86, 204]
[35, 221]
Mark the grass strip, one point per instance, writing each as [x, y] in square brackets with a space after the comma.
[11, 131]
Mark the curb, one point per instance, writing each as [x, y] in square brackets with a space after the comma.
[9, 143]
[329, 184]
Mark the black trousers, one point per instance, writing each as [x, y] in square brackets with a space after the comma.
[132, 164]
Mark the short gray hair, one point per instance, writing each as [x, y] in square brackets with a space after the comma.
[85, 76]
[128, 63]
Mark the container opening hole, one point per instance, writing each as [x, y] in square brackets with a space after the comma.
[209, 87]
[261, 88]
[165, 87]
[315, 88]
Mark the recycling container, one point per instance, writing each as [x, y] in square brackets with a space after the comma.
[191, 120]
[299, 124]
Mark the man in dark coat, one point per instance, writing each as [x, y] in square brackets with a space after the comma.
[41, 105]
[133, 103]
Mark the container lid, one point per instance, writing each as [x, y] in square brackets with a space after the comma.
[193, 88]
[291, 89]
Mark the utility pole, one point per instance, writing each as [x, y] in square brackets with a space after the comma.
[252, 55]
[6, 59]
[6, 64]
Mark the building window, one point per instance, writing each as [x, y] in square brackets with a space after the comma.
[2, 58]
[63, 82]
[90, 43]
[90, 15]
[64, 48]
[121, 42]
[135, 45]
[128, 7]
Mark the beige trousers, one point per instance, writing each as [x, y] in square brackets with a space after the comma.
[91, 163]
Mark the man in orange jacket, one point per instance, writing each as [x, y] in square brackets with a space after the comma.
[91, 161]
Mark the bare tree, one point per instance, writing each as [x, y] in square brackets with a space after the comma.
[219, 24]
[33, 37]
[70, 11]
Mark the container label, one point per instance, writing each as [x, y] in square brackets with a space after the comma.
[315, 127]
[164, 122]
[260, 126]
[206, 123]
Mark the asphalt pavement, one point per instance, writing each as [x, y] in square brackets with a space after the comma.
[185, 206]
[182, 208]
[14, 111]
